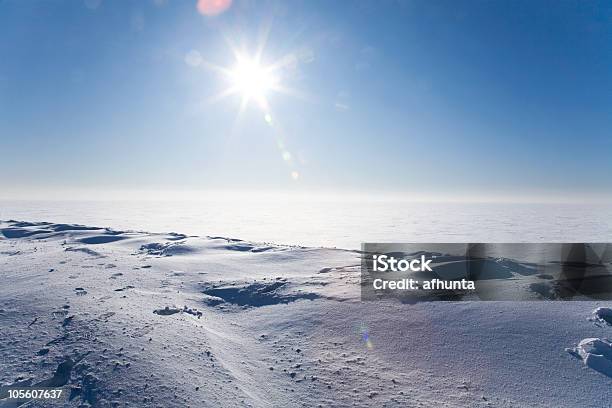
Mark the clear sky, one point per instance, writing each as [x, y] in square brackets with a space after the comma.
[429, 96]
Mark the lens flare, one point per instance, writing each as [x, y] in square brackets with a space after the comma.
[365, 337]
[213, 7]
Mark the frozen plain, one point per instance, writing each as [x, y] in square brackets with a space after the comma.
[127, 318]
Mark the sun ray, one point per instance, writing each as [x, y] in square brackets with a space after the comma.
[214, 67]
[242, 108]
[263, 40]
[295, 93]
[222, 95]
[283, 62]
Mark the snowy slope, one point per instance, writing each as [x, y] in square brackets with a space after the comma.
[148, 320]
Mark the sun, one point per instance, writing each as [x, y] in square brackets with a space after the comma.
[255, 81]
[251, 79]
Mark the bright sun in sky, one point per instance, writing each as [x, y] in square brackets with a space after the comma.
[251, 79]
[254, 81]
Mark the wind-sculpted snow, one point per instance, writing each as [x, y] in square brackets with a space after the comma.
[101, 239]
[596, 354]
[127, 318]
[259, 293]
[22, 232]
[166, 248]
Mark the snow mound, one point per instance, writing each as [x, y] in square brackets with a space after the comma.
[165, 249]
[596, 354]
[19, 232]
[603, 315]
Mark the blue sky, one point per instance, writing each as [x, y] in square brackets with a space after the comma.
[415, 96]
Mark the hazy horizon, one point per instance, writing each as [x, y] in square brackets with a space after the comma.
[337, 223]
[246, 195]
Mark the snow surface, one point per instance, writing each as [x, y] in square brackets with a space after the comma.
[128, 318]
